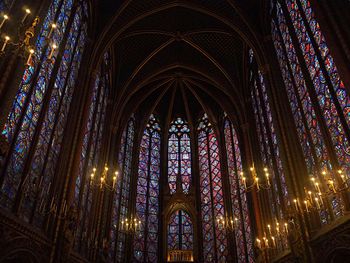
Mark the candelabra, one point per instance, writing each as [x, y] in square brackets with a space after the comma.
[275, 237]
[329, 184]
[130, 225]
[255, 180]
[26, 32]
[103, 179]
[227, 223]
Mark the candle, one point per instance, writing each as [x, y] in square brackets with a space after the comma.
[331, 185]
[306, 205]
[3, 20]
[286, 228]
[295, 204]
[27, 12]
[310, 196]
[7, 38]
[273, 241]
[258, 242]
[53, 47]
[317, 203]
[102, 181]
[318, 188]
[257, 183]
[114, 179]
[31, 52]
[53, 26]
[244, 183]
[269, 227]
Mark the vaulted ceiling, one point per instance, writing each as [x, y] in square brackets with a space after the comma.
[180, 57]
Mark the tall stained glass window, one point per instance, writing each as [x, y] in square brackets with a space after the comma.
[89, 158]
[36, 123]
[243, 233]
[179, 155]
[212, 200]
[122, 193]
[147, 198]
[180, 231]
[269, 147]
[320, 106]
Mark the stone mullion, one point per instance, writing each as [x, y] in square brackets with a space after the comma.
[100, 152]
[164, 189]
[43, 111]
[279, 194]
[147, 192]
[106, 141]
[226, 190]
[93, 190]
[243, 223]
[211, 191]
[263, 196]
[123, 175]
[26, 103]
[314, 100]
[249, 157]
[86, 161]
[138, 133]
[195, 185]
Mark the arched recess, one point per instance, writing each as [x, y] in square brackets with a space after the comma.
[176, 203]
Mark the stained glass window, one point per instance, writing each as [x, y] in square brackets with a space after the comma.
[89, 157]
[147, 198]
[269, 147]
[180, 231]
[320, 109]
[36, 124]
[243, 233]
[212, 201]
[122, 193]
[179, 155]
[332, 97]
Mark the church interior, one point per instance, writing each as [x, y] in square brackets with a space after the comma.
[174, 131]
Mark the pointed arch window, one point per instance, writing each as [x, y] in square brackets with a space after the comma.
[243, 234]
[90, 155]
[212, 200]
[180, 231]
[269, 147]
[122, 193]
[36, 123]
[147, 198]
[179, 155]
[319, 101]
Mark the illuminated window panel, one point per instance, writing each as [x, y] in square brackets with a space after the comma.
[212, 201]
[179, 155]
[145, 247]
